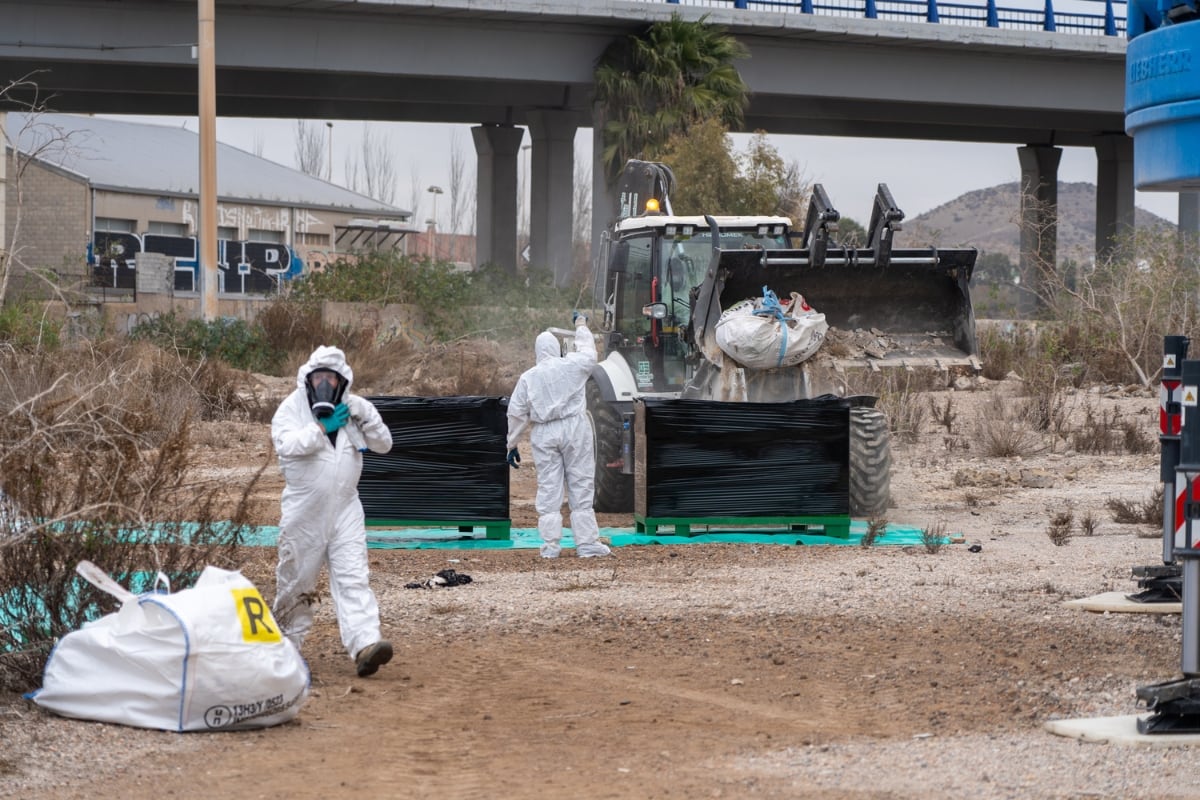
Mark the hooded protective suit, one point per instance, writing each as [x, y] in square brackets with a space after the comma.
[322, 520]
[550, 400]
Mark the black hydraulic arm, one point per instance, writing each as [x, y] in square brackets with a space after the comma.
[885, 223]
[821, 221]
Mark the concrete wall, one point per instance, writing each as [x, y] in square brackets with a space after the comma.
[390, 322]
[155, 274]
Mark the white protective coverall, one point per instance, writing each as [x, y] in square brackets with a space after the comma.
[322, 520]
[550, 399]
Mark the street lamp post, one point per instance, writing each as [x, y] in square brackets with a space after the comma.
[435, 191]
[329, 168]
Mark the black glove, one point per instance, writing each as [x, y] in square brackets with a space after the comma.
[514, 458]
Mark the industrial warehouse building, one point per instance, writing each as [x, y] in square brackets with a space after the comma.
[112, 207]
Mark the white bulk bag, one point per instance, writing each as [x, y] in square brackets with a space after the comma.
[760, 333]
[209, 658]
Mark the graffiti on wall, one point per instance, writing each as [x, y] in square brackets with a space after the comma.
[242, 267]
[249, 217]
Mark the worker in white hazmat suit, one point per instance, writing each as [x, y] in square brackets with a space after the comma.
[549, 400]
[320, 432]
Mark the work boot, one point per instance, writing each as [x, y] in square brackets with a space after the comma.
[372, 657]
[592, 550]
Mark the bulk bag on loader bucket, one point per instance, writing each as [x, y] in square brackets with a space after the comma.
[762, 333]
[207, 658]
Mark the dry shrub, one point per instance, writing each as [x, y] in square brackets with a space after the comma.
[474, 367]
[1110, 432]
[374, 367]
[1005, 347]
[1060, 528]
[900, 399]
[296, 329]
[933, 538]
[1138, 512]
[1002, 431]
[876, 527]
[1088, 523]
[1135, 439]
[944, 414]
[284, 323]
[95, 467]
[1043, 404]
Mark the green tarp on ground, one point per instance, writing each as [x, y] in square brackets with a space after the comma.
[527, 538]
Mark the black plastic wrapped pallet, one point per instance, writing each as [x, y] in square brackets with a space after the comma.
[699, 458]
[446, 463]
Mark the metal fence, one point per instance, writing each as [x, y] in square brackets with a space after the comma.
[1083, 17]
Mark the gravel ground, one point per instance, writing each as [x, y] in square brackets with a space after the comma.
[832, 672]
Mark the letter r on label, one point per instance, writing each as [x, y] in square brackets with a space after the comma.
[258, 625]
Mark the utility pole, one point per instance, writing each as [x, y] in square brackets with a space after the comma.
[207, 234]
[3, 190]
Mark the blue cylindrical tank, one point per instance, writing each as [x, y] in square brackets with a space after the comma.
[1162, 107]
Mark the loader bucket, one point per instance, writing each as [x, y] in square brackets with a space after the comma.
[918, 303]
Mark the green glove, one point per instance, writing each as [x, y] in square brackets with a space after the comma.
[339, 417]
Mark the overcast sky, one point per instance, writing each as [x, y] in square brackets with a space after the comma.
[921, 175]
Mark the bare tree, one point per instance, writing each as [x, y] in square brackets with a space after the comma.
[414, 189]
[461, 194]
[371, 171]
[1119, 307]
[582, 228]
[350, 172]
[310, 149]
[35, 141]
[378, 169]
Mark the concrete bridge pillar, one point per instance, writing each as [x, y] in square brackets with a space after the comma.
[552, 195]
[1189, 216]
[496, 148]
[1039, 221]
[1114, 192]
[603, 202]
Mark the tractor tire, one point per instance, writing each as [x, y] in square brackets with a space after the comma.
[870, 463]
[614, 490]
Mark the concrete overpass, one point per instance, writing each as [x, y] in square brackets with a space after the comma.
[506, 64]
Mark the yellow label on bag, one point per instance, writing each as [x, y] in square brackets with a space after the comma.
[257, 623]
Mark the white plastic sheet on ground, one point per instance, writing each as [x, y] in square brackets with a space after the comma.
[763, 333]
[209, 658]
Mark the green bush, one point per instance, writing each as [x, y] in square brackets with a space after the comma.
[383, 278]
[240, 344]
[26, 326]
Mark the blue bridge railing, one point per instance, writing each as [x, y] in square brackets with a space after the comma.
[1085, 17]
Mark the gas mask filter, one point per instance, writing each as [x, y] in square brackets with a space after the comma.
[325, 388]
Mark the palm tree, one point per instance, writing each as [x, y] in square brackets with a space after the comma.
[658, 82]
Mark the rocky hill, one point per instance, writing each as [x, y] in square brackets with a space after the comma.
[987, 219]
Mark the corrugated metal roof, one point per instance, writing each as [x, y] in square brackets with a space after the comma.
[146, 158]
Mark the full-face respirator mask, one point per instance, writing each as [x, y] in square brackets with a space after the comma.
[325, 389]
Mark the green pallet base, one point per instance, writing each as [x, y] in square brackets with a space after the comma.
[496, 529]
[837, 527]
